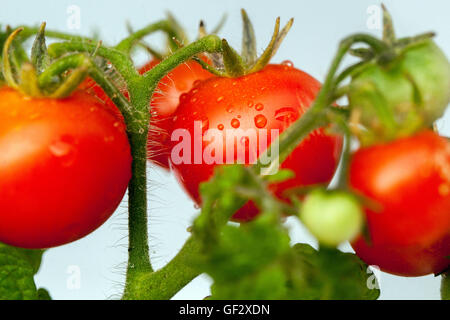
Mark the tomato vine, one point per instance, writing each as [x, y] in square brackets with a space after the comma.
[265, 254]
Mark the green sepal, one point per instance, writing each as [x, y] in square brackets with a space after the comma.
[277, 38]
[234, 64]
[29, 81]
[388, 27]
[249, 51]
[39, 56]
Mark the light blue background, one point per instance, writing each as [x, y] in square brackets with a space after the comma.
[319, 25]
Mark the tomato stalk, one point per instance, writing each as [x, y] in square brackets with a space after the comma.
[316, 115]
[141, 281]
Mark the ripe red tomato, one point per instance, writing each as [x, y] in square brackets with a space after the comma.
[64, 168]
[164, 103]
[260, 102]
[410, 179]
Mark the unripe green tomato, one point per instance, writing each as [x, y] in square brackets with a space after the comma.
[403, 96]
[332, 217]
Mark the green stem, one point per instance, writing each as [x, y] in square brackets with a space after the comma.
[166, 282]
[121, 62]
[30, 31]
[139, 267]
[164, 25]
[210, 44]
[315, 116]
[445, 286]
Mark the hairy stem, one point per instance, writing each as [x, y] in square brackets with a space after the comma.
[139, 271]
[166, 282]
[164, 25]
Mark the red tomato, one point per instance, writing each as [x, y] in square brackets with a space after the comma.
[410, 180]
[64, 168]
[164, 103]
[260, 102]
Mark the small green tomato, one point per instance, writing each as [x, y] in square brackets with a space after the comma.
[332, 216]
[402, 96]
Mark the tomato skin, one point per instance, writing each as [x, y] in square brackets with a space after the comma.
[64, 168]
[165, 102]
[270, 99]
[410, 180]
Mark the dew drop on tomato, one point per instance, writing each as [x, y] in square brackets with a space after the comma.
[219, 99]
[260, 121]
[259, 107]
[288, 63]
[235, 123]
[220, 127]
[230, 109]
[286, 115]
[205, 124]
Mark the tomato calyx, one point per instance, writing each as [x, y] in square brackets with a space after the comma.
[232, 64]
[398, 88]
[33, 76]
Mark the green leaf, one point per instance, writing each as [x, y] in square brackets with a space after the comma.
[267, 284]
[330, 274]
[43, 294]
[17, 270]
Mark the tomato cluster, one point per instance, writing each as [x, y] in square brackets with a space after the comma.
[66, 163]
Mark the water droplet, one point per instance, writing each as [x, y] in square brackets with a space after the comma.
[288, 63]
[220, 127]
[259, 107]
[235, 123]
[215, 85]
[60, 148]
[196, 83]
[109, 139]
[230, 109]
[260, 121]
[205, 124]
[219, 99]
[263, 88]
[239, 116]
[286, 114]
[64, 150]
[250, 104]
[116, 124]
[175, 118]
[194, 100]
[194, 91]
[234, 83]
